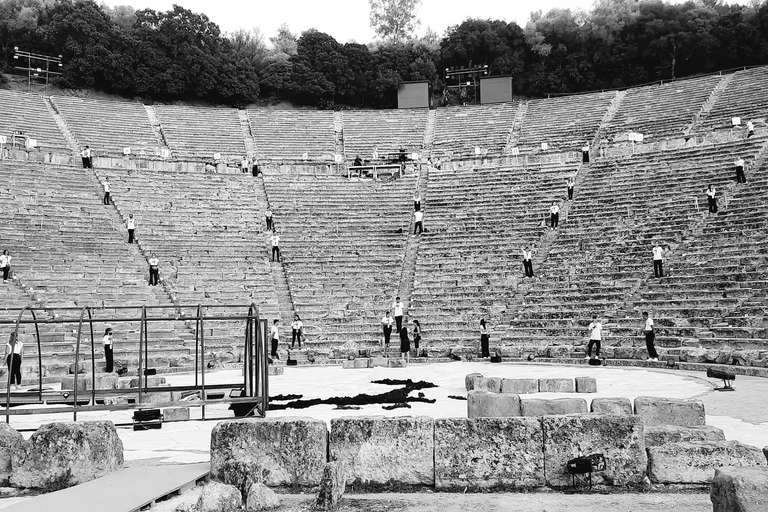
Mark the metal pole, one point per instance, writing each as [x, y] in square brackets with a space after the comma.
[39, 358]
[93, 360]
[197, 341]
[141, 353]
[146, 350]
[77, 360]
[202, 359]
[8, 380]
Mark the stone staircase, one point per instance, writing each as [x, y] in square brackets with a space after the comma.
[707, 106]
[412, 248]
[62, 124]
[429, 133]
[608, 117]
[338, 133]
[517, 126]
[157, 127]
[245, 126]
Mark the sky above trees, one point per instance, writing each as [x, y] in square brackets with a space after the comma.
[347, 20]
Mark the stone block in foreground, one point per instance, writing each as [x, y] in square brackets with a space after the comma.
[60, 455]
[276, 451]
[490, 384]
[556, 386]
[618, 437]
[695, 462]
[380, 452]
[616, 405]
[482, 404]
[520, 386]
[661, 435]
[542, 407]
[332, 487]
[217, 497]
[10, 443]
[586, 385]
[488, 453]
[740, 489]
[670, 411]
[469, 380]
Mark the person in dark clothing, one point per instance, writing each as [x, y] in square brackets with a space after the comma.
[405, 343]
[527, 262]
[570, 185]
[740, 177]
[357, 162]
[274, 339]
[484, 340]
[402, 159]
[650, 337]
[255, 167]
[14, 352]
[386, 324]
[154, 270]
[416, 335]
[131, 224]
[585, 153]
[297, 333]
[107, 340]
[268, 218]
[417, 202]
[711, 199]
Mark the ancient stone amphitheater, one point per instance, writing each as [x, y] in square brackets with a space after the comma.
[347, 249]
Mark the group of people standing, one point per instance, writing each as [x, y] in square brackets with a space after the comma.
[401, 329]
[297, 334]
[595, 330]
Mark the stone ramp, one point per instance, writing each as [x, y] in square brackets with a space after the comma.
[126, 490]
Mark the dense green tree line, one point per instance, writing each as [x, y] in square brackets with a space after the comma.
[182, 55]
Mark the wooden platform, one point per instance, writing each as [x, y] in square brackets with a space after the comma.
[126, 490]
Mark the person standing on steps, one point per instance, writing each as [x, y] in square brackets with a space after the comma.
[131, 224]
[244, 165]
[595, 337]
[418, 217]
[527, 262]
[484, 340]
[386, 324]
[275, 241]
[585, 153]
[107, 340]
[14, 353]
[740, 177]
[107, 199]
[296, 327]
[711, 198]
[650, 337]
[397, 307]
[570, 183]
[750, 129]
[405, 343]
[358, 162]
[154, 270]
[274, 339]
[658, 258]
[85, 154]
[5, 264]
[255, 167]
[417, 202]
[554, 216]
[416, 336]
[268, 217]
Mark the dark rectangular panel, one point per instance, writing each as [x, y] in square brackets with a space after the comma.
[413, 95]
[496, 89]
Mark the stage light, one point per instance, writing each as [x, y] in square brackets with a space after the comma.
[724, 375]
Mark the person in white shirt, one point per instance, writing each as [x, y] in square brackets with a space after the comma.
[131, 225]
[274, 339]
[740, 177]
[397, 307]
[14, 352]
[417, 202]
[595, 337]
[658, 268]
[5, 264]
[585, 153]
[527, 262]
[275, 241]
[106, 191]
[244, 165]
[86, 156]
[386, 324]
[296, 327]
[107, 340]
[554, 215]
[650, 337]
[154, 270]
[375, 155]
[711, 199]
[268, 217]
[484, 340]
[570, 183]
[418, 217]
[750, 129]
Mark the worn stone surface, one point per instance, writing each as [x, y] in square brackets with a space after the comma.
[218, 497]
[488, 453]
[332, 487]
[765, 452]
[617, 436]
[261, 497]
[740, 489]
[378, 361]
[482, 404]
[362, 362]
[670, 411]
[469, 380]
[347, 364]
[695, 462]
[542, 407]
[490, 384]
[616, 405]
[275, 370]
[381, 452]
[85, 382]
[176, 414]
[586, 385]
[397, 362]
[152, 381]
[10, 443]
[663, 434]
[556, 386]
[276, 451]
[520, 386]
[67, 453]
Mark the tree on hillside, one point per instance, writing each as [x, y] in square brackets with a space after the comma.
[284, 43]
[394, 20]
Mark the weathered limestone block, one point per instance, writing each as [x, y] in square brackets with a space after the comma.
[397, 362]
[617, 436]
[556, 386]
[217, 497]
[362, 362]
[695, 462]
[378, 451]
[559, 351]
[275, 370]
[176, 414]
[378, 361]
[347, 364]
[488, 453]
[469, 380]
[519, 386]
[490, 384]
[275, 451]
[739, 489]
[661, 435]
[68, 453]
[10, 443]
[482, 404]
[541, 407]
[261, 497]
[332, 487]
[586, 385]
[670, 411]
[616, 405]
[85, 382]
[152, 382]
